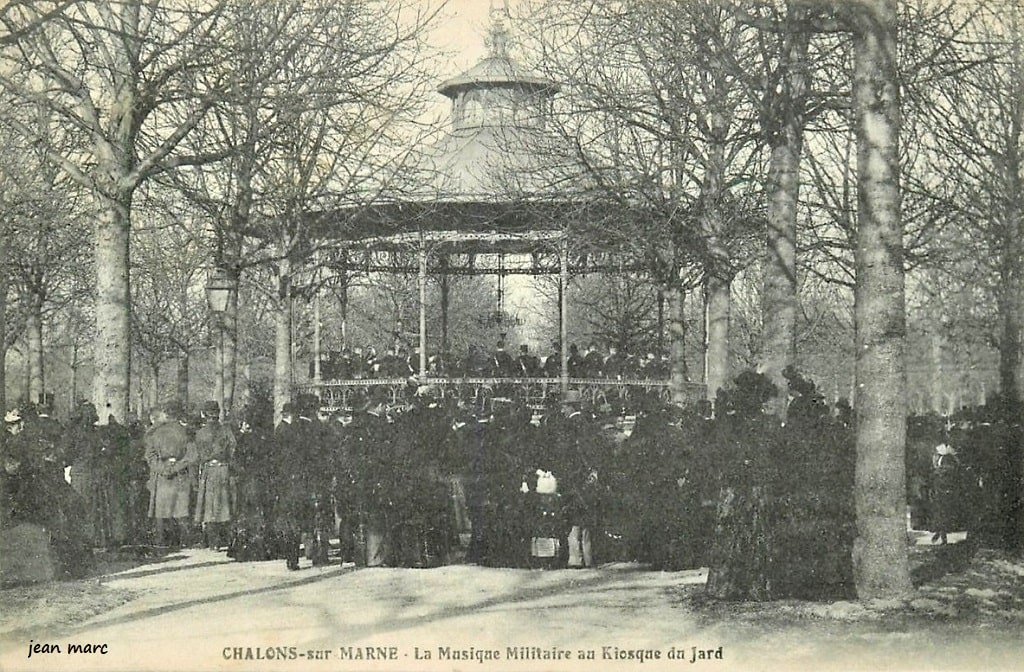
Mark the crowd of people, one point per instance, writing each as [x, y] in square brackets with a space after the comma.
[417, 484]
[491, 481]
[441, 480]
[401, 361]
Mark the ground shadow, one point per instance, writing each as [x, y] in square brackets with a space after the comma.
[177, 606]
[942, 560]
[587, 581]
[129, 574]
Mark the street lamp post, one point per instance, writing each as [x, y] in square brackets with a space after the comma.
[220, 289]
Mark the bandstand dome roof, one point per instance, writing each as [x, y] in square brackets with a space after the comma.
[496, 70]
[496, 147]
[492, 174]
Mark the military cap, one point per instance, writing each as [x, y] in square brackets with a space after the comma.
[211, 408]
[288, 408]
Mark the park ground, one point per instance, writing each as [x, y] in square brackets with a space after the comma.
[196, 610]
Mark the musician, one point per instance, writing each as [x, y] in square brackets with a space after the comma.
[528, 364]
[501, 362]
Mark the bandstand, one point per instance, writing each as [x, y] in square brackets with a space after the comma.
[489, 210]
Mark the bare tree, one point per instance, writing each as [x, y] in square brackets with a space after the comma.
[657, 125]
[321, 126]
[978, 117]
[881, 566]
[121, 77]
[169, 311]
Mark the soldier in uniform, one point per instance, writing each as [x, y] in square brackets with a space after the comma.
[170, 457]
[575, 361]
[501, 362]
[528, 365]
[553, 363]
[614, 365]
[215, 449]
[593, 362]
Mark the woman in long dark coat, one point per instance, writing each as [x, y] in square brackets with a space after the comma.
[945, 477]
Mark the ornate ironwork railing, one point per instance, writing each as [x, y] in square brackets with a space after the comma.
[340, 393]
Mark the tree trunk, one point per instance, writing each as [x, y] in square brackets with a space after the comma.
[881, 567]
[779, 296]
[75, 364]
[283, 341]
[445, 289]
[154, 387]
[1013, 176]
[343, 307]
[113, 351]
[183, 378]
[677, 343]
[718, 269]
[661, 320]
[938, 384]
[717, 297]
[34, 340]
[3, 323]
[230, 351]
[1010, 364]
[699, 299]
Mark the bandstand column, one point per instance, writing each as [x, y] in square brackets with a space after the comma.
[343, 299]
[423, 308]
[563, 312]
[444, 304]
[317, 373]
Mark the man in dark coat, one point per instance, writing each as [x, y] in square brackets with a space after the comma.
[372, 453]
[124, 475]
[215, 449]
[90, 473]
[322, 446]
[577, 438]
[253, 467]
[170, 457]
[343, 471]
[295, 507]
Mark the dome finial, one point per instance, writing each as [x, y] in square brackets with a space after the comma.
[497, 39]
